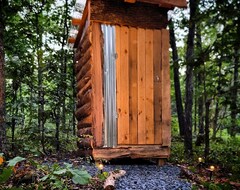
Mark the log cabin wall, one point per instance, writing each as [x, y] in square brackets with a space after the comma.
[142, 81]
[83, 70]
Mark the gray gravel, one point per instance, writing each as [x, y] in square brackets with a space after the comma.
[146, 177]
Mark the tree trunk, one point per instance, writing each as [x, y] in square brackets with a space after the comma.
[207, 141]
[189, 79]
[3, 137]
[234, 94]
[200, 78]
[177, 87]
[57, 122]
[215, 120]
[41, 101]
[74, 101]
[64, 68]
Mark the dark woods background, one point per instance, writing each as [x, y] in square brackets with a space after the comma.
[36, 69]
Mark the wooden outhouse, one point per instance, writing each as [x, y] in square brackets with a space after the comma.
[123, 78]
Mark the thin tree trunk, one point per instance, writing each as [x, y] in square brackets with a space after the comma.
[189, 79]
[207, 141]
[74, 101]
[3, 138]
[14, 113]
[41, 101]
[57, 122]
[200, 78]
[215, 120]
[234, 92]
[64, 68]
[177, 86]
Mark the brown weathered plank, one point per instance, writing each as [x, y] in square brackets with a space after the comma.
[87, 40]
[97, 85]
[85, 122]
[133, 88]
[134, 15]
[163, 3]
[87, 97]
[75, 21]
[141, 86]
[83, 81]
[86, 75]
[157, 62]
[85, 58]
[85, 88]
[166, 113]
[149, 118]
[83, 111]
[123, 85]
[132, 152]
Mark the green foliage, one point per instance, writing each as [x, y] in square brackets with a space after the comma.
[103, 176]
[57, 175]
[5, 174]
[227, 154]
[15, 160]
[214, 186]
[6, 171]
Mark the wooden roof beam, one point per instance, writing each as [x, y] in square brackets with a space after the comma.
[130, 1]
[173, 3]
[71, 40]
[163, 3]
[76, 21]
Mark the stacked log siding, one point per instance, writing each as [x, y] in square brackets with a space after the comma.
[137, 122]
[83, 70]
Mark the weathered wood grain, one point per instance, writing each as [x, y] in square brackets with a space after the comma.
[141, 86]
[83, 111]
[132, 152]
[85, 122]
[123, 86]
[136, 15]
[157, 62]
[97, 85]
[149, 103]
[166, 104]
[133, 86]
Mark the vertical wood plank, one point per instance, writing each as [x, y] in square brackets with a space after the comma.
[157, 62]
[141, 86]
[166, 114]
[149, 118]
[118, 83]
[123, 87]
[133, 88]
[97, 95]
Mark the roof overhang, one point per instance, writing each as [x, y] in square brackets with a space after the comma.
[163, 3]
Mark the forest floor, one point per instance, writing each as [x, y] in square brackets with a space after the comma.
[53, 172]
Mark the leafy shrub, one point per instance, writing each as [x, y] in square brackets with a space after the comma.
[56, 173]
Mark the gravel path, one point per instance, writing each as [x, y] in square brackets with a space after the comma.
[146, 177]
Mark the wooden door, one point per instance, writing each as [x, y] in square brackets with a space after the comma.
[143, 86]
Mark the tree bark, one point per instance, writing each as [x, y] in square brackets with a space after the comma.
[207, 141]
[41, 101]
[200, 79]
[234, 94]
[177, 86]
[189, 79]
[3, 137]
[215, 120]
